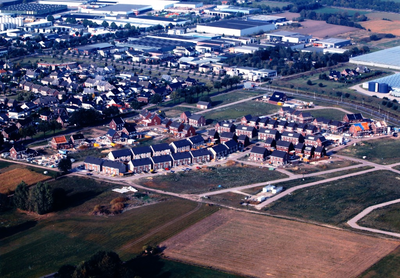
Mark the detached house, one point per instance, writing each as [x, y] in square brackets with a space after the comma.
[197, 120]
[60, 142]
[203, 105]
[225, 127]
[17, 151]
[258, 153]
[264, 134]
[249, 131]
[117, 124]
[279, 157]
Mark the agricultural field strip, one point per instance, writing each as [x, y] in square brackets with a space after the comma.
[336, 252]
[353, 222]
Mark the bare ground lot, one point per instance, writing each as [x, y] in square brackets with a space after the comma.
[321, 29]
[260, 246]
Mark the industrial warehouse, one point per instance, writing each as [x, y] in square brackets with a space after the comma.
[388, 58]
[235, 27]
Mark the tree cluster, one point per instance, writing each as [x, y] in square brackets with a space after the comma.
[85, 117]
[39, 199]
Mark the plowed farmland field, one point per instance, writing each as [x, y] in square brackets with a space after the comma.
[10, 179]
[261, 246]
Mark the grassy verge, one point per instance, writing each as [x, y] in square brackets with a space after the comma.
[73, 234]
[379, 151]
[329, 165]
[232, 97]
[209, 178]
[387, 218]
[338, 201]
[388, 267]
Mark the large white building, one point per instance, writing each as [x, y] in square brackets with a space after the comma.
[235, 27]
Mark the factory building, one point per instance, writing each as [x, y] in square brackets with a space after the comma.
[235, 27]
[332, 43]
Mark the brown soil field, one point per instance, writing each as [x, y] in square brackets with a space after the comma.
[288, 15]
[383, 26]
[321, 29]
[261, 246]
[10, 179]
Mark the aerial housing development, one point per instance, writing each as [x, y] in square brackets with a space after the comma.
[145, 139]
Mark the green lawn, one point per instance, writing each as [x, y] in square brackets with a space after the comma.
[380, 151]
[232, 97]
[238, 110]
[332, 114]
[388, 267]
[336, 202]
[207, 179]
[387, 218]
[73, 234]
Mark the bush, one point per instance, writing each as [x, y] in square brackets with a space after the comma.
[118, 200]
[117, 207]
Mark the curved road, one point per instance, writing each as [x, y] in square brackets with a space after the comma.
[353, 222]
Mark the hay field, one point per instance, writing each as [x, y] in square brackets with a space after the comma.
[10, 179]
[382, 26]
[261, 246]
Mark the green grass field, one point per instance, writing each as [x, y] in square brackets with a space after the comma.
[239, 110]
[379, 151]
[232, 97]
[332, 114]
[207, 179]
[388, 267]
[73, 234]
[336, 202]
[387, 218]
[329, 10]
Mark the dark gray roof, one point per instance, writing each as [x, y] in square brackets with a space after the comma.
[283, 143]
[279, 154]
[220, 148]
[291, 134]
[141, 162]
[268, 131]
[200, 152]
[121, 153]
[160, 147]
[181, 143]
[196, 117]
[259, 150]
[231, 144]
[93, 160]
[181, 155]
[196, 139]
[161, 158]
[115, 164]
[141, 150]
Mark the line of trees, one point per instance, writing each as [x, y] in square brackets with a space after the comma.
[287, 61]
[337, 19]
